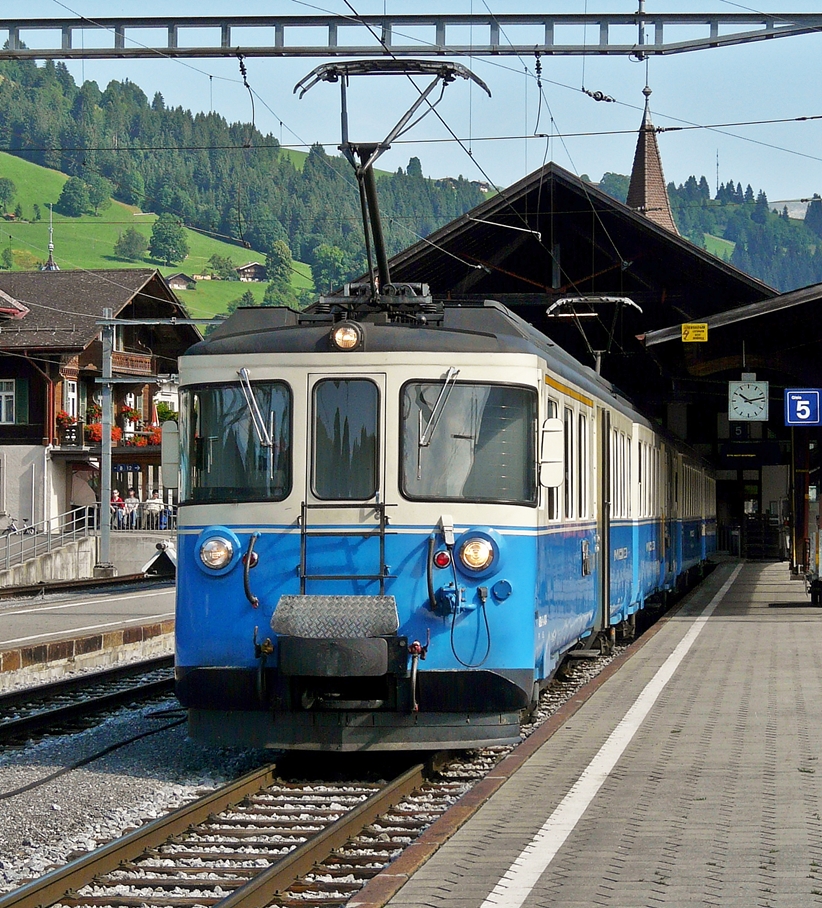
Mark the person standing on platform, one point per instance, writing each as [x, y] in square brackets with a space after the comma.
[117, 505]
[154, 509]
[131, 508]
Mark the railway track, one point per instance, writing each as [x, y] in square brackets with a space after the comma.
[264, 841]
[258, 841]
[65, 703]
[86, 585]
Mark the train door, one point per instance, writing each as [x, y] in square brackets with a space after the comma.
[604, 519]
[343, 515]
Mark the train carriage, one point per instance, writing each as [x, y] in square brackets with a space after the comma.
[395, 524]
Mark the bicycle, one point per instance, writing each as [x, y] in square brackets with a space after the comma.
[13, 530]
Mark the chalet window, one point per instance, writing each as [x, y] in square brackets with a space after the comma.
[70, 398]
[7, 402]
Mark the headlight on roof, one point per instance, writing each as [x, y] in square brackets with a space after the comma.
[476, 553]
[216, 552]
[346, 336]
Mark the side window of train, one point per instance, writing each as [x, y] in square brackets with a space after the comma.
[620, 474]
[345, 456]
[570, 464]
[641, 478]
[616, 475]
[582, 467]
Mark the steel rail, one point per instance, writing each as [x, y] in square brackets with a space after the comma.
[60, 716]
[259, 891]
[62, 885]
[57, 884]
[86, 584]
[78, 682]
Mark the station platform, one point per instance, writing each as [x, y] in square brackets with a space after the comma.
[690, 774]
[45, 638]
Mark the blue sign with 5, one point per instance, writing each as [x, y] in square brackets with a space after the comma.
[802, 407]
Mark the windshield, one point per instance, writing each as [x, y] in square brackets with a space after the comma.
[223, 455]
[483, 447]
[345, 439]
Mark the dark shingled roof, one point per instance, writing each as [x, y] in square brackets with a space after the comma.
[64, 306]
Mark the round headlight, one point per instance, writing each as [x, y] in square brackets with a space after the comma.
[346, 336]
[477, 553]
[216, 552]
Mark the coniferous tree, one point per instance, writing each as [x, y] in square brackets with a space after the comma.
[813, 215]
[74, 198]
[7, 192]
[279, 264]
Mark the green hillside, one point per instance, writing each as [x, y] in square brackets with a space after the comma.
[88, 241]
[722, 249]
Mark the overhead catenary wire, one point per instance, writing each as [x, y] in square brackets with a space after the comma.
[497, 138]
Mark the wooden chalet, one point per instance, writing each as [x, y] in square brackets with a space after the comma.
[50, 359]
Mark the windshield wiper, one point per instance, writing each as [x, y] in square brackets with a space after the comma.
[426, 433]
[256, 416]
[439, 406]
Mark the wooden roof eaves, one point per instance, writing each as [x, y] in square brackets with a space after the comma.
[553, 172]
[160, 291]
[789, 300]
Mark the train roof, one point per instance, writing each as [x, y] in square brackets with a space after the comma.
[465, 327]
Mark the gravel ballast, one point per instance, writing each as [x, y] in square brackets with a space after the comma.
[50, 823]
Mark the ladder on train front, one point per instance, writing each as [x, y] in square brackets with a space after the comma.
[379, 530]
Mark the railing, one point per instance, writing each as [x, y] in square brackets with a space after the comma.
[28, 542]
[132, 363]
[46, 536]
[145, 517]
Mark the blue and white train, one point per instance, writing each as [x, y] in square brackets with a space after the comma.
[396, 521]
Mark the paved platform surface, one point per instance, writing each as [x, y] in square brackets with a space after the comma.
[693, 776]
[48, 637]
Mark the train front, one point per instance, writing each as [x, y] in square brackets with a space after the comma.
[357, 544]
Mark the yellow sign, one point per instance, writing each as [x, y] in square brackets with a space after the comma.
[694, 332]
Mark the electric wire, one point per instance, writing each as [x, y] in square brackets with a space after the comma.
[550, 252]
[78, 764]
[469, 151]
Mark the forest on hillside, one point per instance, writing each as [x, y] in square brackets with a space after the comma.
[781, 251]
[224, 178]
[234, 182]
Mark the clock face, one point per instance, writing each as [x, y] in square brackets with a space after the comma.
[748, 400]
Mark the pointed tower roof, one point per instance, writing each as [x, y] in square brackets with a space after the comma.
[51, 265]
[647, 192]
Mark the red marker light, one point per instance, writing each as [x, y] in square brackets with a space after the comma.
[442, 559]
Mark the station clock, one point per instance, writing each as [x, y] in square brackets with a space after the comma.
[748, 401]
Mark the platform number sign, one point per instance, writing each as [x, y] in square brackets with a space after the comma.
[802, 407]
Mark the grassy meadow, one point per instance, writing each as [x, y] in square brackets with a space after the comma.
[88, 242]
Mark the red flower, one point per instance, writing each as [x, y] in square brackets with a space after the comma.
[94, 432]
[130, 413]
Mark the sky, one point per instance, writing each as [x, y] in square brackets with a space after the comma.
[760, 81]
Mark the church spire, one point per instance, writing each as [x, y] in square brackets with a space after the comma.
[51, 265]
[647, 192]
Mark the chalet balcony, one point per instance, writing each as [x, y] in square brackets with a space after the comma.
[125, 363]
